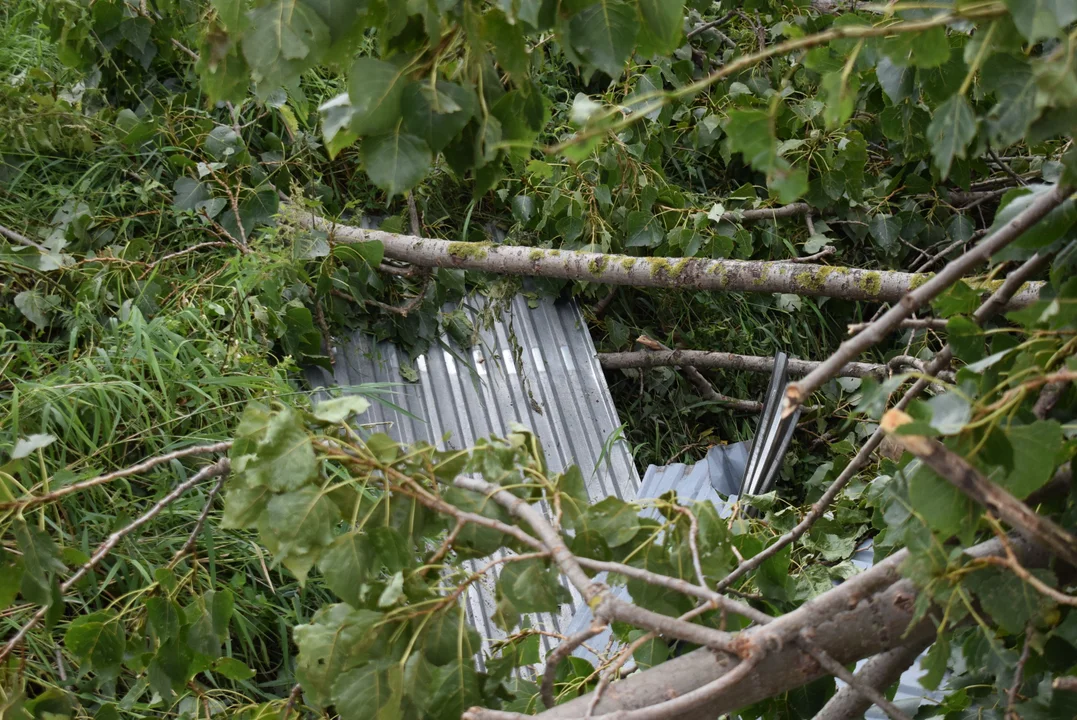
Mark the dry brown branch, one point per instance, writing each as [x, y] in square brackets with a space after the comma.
[1019, 676]
[1066, 684]
[959, 473]
[217, 468]
[147, 464]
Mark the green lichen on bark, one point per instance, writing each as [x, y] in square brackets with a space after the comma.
[597, 265]
[815, 280]
[871, 283]
[469, 251]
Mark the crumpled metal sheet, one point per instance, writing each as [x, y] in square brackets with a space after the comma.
[548, 379]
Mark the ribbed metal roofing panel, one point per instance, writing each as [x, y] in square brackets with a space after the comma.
[535, 366]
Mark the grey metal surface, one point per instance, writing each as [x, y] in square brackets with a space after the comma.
[548, 380]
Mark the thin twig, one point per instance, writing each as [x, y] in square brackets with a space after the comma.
[838, 670]
[21, 239]
[147, 464]
[825, 252]
[1005, 168]
[197, 530]
[880, 671]
[1018, 676]
[221, 466]
[710, 25]
[914, 323]
[179, 253]
[561, 652]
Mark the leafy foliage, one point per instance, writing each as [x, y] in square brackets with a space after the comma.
[158, 302]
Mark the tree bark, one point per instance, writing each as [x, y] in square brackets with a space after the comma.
[727, 361]
[850, 623]
[680, 273]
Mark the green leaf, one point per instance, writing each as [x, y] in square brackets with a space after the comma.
[243, 506]
[1039, 19]
[337, 639]
[952, 128]
[885, 229]
[347, 564]
[509, 44]
[480, 541]
[35, 307]
[396, 161]
[450, 690]
[604, 34]
[337, 132]
[392, 548]
[189, 194]
[661, 27]
[285, 38]
[944, 508]
[1008, 599]
[339, 409]
[164, 618]
[959, 299]
[614, 519]
[448, 637]
[26, 446]
[1046, 231]
[925, 49]
[376, 89]
[297, 526]
[169, 670]
[98, 639]
[1012, 81]
[284, 457]
[40, 560]
[10, 577]
[232, 669]
[1036, 449]
[221, 604]
[370, 692]
[437, 115]
[394, 590]
[531, 587]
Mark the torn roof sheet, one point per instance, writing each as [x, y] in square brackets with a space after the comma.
[548, 380]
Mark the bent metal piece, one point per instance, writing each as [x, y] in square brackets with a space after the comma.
[772, 436]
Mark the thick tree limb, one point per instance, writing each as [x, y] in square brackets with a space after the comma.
[680, 273]
[796, 393]
[959, 473]
[851, 622]
[727, 361]
[880, 672]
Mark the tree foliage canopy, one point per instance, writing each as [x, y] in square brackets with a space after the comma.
[163, 282]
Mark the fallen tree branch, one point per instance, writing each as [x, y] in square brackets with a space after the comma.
[871, 613]
[727, 361]
[217, 468]
[942, 360]
[702, 385]
[914, 323]
[201, 523]
[880, 672]
[147, 464]
[21, 239]
[958, 472]
[797, 392]
[680, 273]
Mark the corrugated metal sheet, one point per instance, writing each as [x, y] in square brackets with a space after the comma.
[554, 387]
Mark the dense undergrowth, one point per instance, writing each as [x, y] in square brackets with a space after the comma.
[162, 297]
